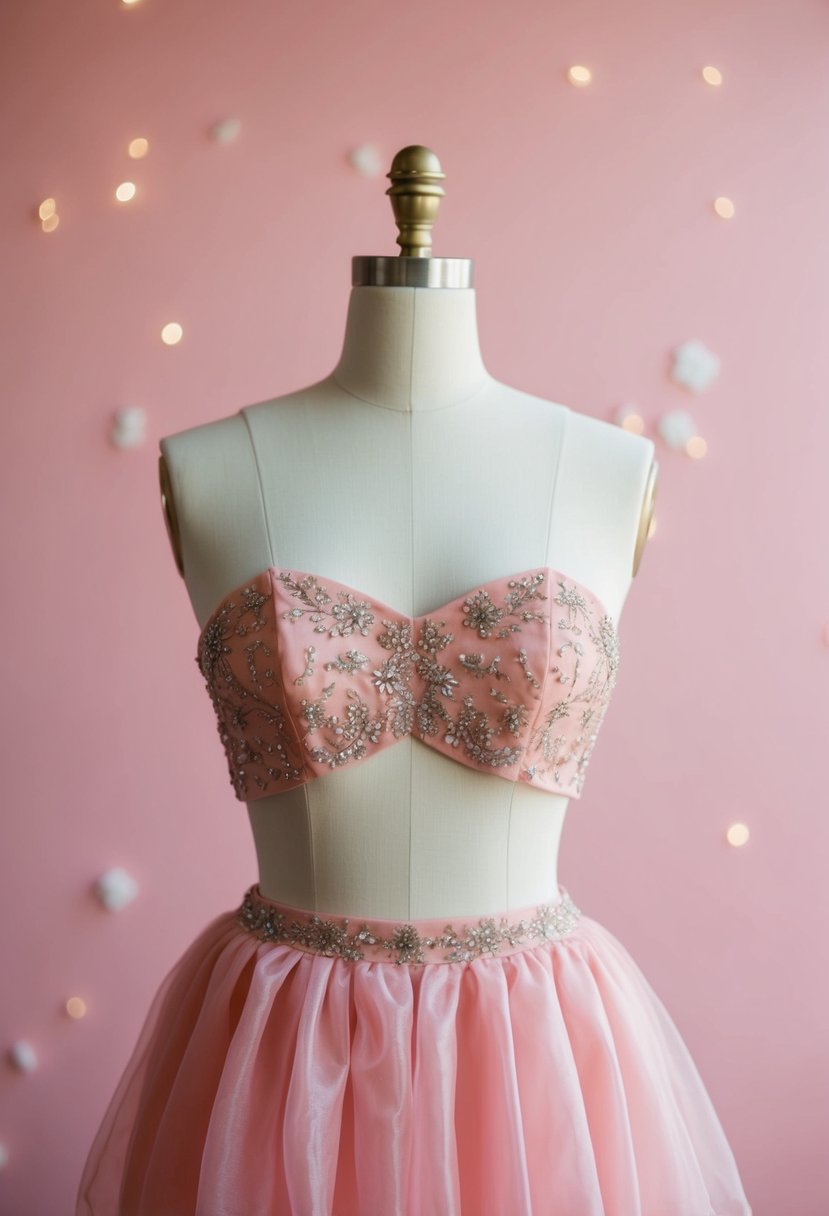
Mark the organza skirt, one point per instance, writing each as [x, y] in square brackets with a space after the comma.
[311, 1066]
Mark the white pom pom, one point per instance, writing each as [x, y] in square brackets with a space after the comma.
[676, 428]
[695, 366]
[116, 888]
[23, 1056]
[129, 428]
[226, 131]
[366, 160]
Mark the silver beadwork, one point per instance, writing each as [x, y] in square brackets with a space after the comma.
[332, 938]
[269, 739]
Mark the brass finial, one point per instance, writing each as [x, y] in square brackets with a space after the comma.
[415, 198]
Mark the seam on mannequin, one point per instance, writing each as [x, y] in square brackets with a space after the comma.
[508, 903]
[554, 486]
[434, 410]
[249, 430]
[412, 560]
[306, 799]
[309, 820]
[411, 786]
[549, 632]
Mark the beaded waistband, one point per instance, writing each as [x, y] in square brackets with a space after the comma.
[417, 941]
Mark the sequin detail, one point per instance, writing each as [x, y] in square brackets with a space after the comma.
[508, 678]
[462, 942]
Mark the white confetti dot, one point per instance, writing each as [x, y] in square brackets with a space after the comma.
[23, 1056]
[366, 160]
[226, 131]
[676, 428]
[129, 427]
[116, 888]
[695, 366]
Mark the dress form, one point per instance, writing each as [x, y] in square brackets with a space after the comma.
[413, 475]
[407, 1014]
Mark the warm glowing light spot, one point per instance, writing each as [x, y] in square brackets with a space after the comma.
[138, 148]
[737, 834]
[47, 208]
[125, 192]
[712, 75]
[724, 208]
[696, 447]
[579, 75]
[75, 1007]
[50, 224]
[634, 423]
[172, 333]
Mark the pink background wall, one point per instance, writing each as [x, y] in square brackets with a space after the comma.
[588, 213]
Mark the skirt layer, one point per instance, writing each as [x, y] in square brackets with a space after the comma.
[274, 1080]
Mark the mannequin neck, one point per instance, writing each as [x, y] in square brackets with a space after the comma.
[411, 349]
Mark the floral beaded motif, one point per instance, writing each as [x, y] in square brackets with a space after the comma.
[405, 944]
[253, 726]
[588, 695]
[308, 675]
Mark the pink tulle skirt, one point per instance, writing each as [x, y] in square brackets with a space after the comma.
[306, 1065]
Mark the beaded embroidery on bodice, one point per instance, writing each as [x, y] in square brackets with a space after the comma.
[306, 674]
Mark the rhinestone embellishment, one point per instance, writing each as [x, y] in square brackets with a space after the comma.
[474, 939]
[307, 675]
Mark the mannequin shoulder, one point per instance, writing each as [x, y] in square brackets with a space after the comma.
[623, 464]
[203, 467]
[192, 465]
[604, 464]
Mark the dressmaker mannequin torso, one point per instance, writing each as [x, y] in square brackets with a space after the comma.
[413, 475]
[408, 578]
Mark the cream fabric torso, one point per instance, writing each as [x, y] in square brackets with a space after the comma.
[411, 474]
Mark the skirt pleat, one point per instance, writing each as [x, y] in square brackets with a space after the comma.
[270, 1080]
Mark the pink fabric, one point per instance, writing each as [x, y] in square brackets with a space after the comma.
[307, 674]
[272, 1081]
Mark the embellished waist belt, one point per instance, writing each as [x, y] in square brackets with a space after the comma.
[416, 941]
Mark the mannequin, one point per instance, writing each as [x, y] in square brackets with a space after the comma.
[412, 474]
[407, 1014]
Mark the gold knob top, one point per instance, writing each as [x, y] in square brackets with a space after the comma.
[415, 198]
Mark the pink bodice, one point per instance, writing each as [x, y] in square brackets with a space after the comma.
[307, 674]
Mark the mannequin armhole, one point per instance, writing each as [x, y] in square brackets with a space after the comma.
[168, 506]
[646, 517]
